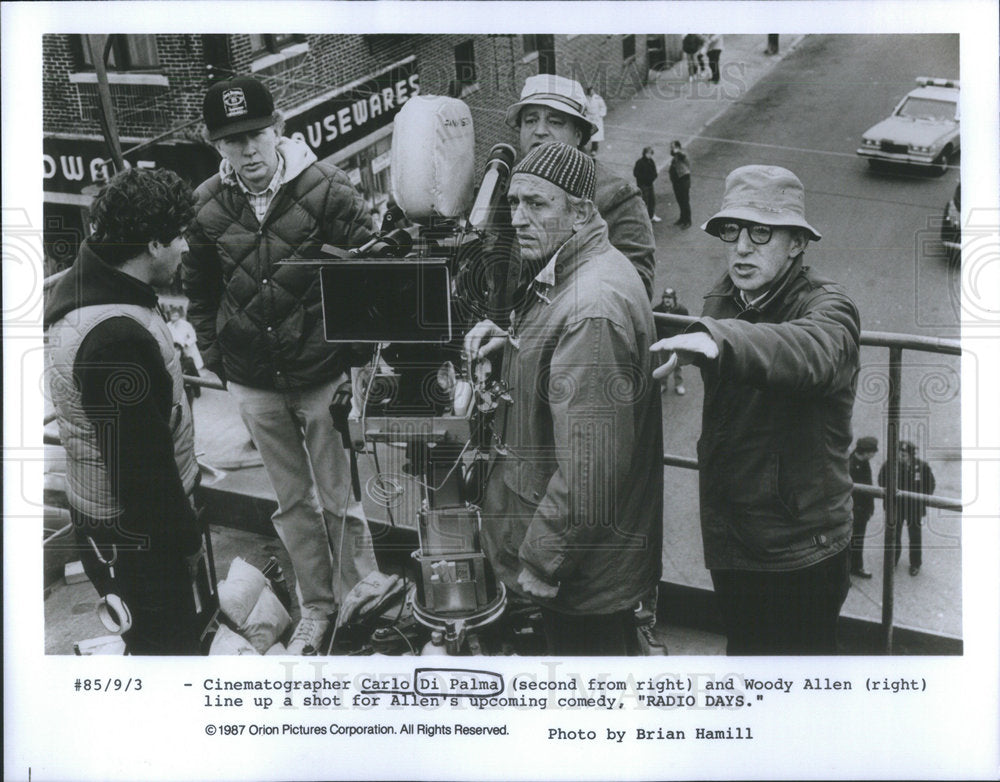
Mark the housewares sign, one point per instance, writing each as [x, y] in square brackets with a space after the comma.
[71, 163]
[353, 113]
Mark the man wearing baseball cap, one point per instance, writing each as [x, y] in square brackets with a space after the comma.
[778, 347]
[260, 329]
[572, 516]
[553, 108]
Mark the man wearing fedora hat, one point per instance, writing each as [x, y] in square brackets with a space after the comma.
[778, 348]
[572, 517]
[554, 108]
[260, 329]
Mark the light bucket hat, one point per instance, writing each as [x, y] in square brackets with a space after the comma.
[556, 92]
[769, 195]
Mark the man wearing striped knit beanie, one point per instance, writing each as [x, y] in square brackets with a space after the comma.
[572, 516]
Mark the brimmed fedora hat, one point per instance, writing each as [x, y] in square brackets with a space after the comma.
[769, 195]
[238, 105]
[556, 92]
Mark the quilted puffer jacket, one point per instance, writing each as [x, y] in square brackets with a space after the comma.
[259, 323]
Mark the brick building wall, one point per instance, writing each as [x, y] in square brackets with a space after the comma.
[599, 61]
[168, 96]
[141, 110]
[329, 62]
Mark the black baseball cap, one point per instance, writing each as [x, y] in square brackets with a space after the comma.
[237, 105]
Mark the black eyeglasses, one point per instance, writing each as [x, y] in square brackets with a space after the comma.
[759, 234]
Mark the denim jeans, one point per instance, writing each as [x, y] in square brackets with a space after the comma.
[320, 523]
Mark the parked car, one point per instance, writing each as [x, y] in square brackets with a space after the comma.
[951, 226]
[923, 129]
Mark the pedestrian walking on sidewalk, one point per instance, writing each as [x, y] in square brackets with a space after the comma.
[864, 504]
[595, 111]
[260, 329]
[645, 174]
[912, 475]
[186, 341]
[692, 45]
[680, 181]
[713, 45]
[670, 306]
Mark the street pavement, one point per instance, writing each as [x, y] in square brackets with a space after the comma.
[671, 107]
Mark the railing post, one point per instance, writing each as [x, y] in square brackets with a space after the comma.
[892, 451]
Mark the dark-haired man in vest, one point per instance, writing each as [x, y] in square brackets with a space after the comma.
[118, 390]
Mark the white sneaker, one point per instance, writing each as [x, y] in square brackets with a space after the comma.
[308, 636]
[656, 219]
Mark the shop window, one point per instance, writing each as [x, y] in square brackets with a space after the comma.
[466, 79]
[369, 170]
[274, 43]
[628, 47]
[64, 231]
[542, 46]
[127, 52]
[274, 55]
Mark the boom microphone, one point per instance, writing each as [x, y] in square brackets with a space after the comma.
[498, 165]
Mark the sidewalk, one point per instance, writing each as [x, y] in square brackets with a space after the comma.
[671, 107]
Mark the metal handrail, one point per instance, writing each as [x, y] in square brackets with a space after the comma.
[930, 500]
[873, 339]
[896, 343]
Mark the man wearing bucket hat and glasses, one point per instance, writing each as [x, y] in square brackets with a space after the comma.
[778, 348]
[553, 108]
[260, 328]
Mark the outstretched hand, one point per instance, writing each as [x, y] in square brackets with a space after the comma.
[684, 349]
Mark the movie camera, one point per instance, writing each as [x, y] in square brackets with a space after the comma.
[408, 296]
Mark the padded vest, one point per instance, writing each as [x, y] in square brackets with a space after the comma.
[89, 488]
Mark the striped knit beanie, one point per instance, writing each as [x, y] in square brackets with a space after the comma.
[564, 166]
